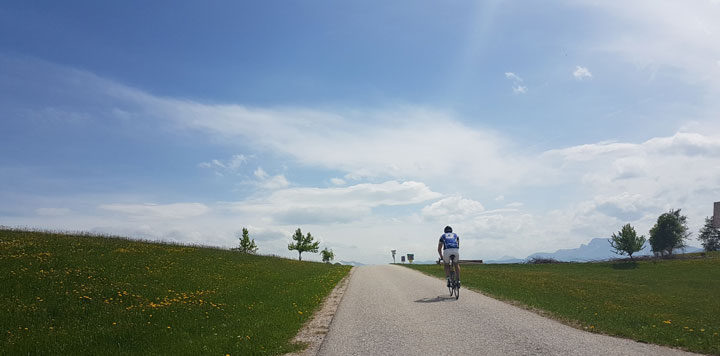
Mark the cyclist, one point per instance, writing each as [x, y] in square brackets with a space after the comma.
[450, 245]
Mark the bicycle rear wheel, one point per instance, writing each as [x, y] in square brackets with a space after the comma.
[451, 289]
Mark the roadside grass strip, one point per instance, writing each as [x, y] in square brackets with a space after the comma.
[88, 295]
[666, 302]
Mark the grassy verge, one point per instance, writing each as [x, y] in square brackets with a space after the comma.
[667, 302]
[66, 294]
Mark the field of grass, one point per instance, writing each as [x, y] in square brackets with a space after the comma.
[76, 295]
[666, 302]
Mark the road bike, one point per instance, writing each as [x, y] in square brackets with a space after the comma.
[454, 287]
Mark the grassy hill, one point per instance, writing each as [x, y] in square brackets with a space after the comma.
[667, 302]
[64, 294]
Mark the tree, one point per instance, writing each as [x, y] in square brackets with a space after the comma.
[303, 243]
[670, 232]
[246, 245]
[710, 236]
[327, 255]
[627, 241]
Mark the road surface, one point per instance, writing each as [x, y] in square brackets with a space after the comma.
[393, 310]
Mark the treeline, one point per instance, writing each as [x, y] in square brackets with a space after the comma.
[300, 243]
[669, 233]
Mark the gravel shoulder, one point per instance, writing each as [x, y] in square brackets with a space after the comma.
[313, 332]
[391, 310]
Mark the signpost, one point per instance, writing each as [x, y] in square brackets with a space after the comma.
[393, 253]
[411, 257]
[402, 258]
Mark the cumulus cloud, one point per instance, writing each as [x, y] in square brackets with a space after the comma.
[453, 208]
[166, 211]
[602, 184]
[275, 182]
[332, 205]
[266, 181]
[260, 173]
[581, 73]
[624, 206]
[512, 76]
[518, 88]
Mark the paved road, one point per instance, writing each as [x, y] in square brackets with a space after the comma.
[392, 310]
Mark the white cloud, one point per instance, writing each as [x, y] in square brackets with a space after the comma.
[602, 185]
[260, 173]
[512, 76]
[663, 34]
[337, 181]
[517, 87]
[275, 182]
[231, 165]
[581, 73]
[265, 181]
[452, 209]
[331, 205]
[166, 211]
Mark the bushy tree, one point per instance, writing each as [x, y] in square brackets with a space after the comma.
[626, 241]
[670, 232]
[303, 243]
[327, 255]
[246, 245]
[709, 236]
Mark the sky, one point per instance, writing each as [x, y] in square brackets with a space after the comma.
[526, 126]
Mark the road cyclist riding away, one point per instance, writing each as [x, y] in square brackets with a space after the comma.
[449, 245]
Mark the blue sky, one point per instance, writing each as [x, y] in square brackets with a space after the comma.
[372, 125]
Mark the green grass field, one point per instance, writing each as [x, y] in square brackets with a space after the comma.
[88, 295]
[666, 302]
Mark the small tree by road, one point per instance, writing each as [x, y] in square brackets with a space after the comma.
[626, 241]
[669, 233]
[246, 245]
[327, 255]
[303, 243]
[709, 236]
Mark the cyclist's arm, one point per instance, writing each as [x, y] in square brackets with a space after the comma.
[440, 246]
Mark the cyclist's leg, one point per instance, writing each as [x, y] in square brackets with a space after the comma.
[446, 255]
[447, 265]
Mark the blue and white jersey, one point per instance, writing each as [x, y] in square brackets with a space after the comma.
[450, 240]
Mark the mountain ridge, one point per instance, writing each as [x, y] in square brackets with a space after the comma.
[597, 249]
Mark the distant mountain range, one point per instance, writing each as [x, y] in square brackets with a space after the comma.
[598, 249]
[351, 263]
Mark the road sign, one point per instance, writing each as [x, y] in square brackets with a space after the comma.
[402, 258]
[411, 257]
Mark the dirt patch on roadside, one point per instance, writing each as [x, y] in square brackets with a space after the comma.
[313, 332]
